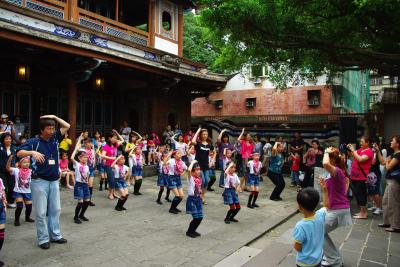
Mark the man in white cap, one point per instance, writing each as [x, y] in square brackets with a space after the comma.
[6, 126]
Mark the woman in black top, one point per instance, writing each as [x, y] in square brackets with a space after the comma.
[202, 156]
[391, 198]
[6, 150]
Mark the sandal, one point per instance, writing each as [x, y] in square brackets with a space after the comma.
[359, 217]
[392, 230]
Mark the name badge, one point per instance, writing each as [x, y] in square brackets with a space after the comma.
[52, 162]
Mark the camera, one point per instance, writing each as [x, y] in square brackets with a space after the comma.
[343, 148]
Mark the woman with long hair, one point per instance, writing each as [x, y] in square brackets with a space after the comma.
[6, 150]
[391, 198]
[338, 207]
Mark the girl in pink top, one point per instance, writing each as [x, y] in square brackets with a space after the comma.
[247, 147]
[335, 189]
[65, 172]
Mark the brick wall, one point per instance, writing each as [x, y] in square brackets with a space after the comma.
[268, 102]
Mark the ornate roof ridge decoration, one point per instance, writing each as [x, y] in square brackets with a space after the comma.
[74, 35]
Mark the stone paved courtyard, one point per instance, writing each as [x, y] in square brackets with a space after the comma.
[146, 234]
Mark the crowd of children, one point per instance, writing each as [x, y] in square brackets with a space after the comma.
[120, 161]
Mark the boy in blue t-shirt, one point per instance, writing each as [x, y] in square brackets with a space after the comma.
[309, 232]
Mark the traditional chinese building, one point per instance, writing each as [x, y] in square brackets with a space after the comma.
[98, 62]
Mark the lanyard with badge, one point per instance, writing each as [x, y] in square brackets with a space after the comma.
[50, 149]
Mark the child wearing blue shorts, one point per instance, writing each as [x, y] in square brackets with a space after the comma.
[194, 204]
[309, 232]
[211, 171]
[253, 180]
[3, 205]
[121, 172]
[176, 167]
[136, 161]
[162, 180]
[22, 188]
[89, 149]
[81, 189]
[231, 197]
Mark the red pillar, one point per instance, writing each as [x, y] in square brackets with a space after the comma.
[72, 100]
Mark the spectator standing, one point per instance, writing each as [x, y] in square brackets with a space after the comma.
[7, 150]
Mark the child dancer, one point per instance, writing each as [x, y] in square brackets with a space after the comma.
[65, 172]
[101, 169]
[231, 198]
[213, 178]
[121, 171]
[162, 180]
[89, 150]
[176, 167]
[3, 205]
[295, 158]
[22, 188]
[136, 160]
[161, 151]
[152, 152]
[191, 152]
[225, 163]
[181, 145]
[253, 181]
[194, 204]
[81, 189]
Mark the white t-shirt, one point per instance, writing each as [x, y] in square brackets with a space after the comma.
[211, 162]
[181, 146]
[267, 149]
[144, 145]
[120, 172]
[133, 161]
[192, 188]
[172, 167]
[226, 162]
[2, 193]
[191, 157]
[254, 168]
[81, 176]
[231, 180]
[21, 186]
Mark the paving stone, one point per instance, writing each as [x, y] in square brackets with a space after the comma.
[364, 263]
[350, 258]
[374, 254]
[394, 261]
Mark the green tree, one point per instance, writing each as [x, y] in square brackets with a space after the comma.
[304, 37]
[197, 43]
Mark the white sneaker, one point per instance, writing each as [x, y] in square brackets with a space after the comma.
[371, 208]
[11, 206]
[377, 211]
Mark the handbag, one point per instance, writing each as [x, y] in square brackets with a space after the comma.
[371, 177]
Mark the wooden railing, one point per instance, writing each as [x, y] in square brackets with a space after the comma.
[55, 8]
[68, 10]
[112, 27]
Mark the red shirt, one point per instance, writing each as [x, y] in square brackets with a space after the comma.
[356, 173]
[295, 163]
[247, 149]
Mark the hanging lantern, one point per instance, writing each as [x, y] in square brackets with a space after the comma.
[99, 83]
[22, 72]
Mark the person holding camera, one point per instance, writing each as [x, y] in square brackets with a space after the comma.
[359, 172]
[6, 126]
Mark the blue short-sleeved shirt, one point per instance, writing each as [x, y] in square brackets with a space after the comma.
[309, 232]
[49, 149]
[276, 163]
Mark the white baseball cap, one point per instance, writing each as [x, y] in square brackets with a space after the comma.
[4, 116]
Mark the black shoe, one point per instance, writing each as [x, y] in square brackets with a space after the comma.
[77, 221]
[227, 221]
[159, 202]
[255, 206]
[173, 211]
[17, 223]
[191, 234]
[234, 220]
[123, 208]
[59, 241]
[83, 218]
[100, 188]
[279, 198]
[29, 220]
[168, 200]
[91, 204]
[178, 210]
[250, 206]
[1, 264]
[118, 209]
[137, 193]
[196, 233]
[384, 225]
[45, 245]
[210, 189]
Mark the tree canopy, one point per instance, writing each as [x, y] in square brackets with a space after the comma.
[302, 36]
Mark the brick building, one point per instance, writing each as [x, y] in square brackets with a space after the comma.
[314, 108]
